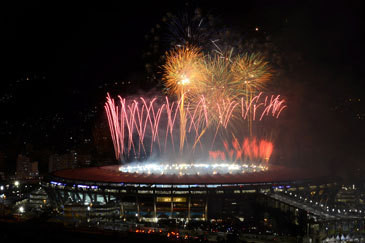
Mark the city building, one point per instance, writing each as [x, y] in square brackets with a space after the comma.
[348, 195]
[2, 162]
[38, 199]
[84, 160]
[25, 169]
[62, 161]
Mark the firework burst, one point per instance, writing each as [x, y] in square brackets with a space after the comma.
[182, 73]
[221, 78]
[250, 74]
[139, 127]
[182, 69]
[213, 94]
[216, 76]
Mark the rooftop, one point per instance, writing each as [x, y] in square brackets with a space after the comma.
[111, 174]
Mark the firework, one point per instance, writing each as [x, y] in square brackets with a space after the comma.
[188, 69]
[182, 70]
[220, 78]
[230, 76]
[182, 73]
[251, 149]
[233, 77]
[250, 73]
[213, 94]
[188, 27]
[135, 123]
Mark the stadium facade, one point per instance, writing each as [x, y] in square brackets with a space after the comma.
[107, 192]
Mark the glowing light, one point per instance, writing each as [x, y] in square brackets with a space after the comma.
[16, 183]
[21, 209]
[181, 169]
[184, 81]
[182, 62]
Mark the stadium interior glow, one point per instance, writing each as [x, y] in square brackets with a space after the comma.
[191, 168]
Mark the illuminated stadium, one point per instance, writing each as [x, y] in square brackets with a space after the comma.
[150, 197]
[200, 152]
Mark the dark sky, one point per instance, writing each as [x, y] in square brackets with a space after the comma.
[96, 41]
[79, 47]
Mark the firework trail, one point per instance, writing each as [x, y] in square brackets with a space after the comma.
[251, 149]
[134, 124]
[211, 92]
[182, 68]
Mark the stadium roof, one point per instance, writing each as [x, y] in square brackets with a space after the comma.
[111, 174]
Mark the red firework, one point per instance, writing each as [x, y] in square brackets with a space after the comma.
[131, 122]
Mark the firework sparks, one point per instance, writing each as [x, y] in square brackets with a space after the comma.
[182, 72]
[218, 75]
[251, 149]
[182, 68]
[135, 123]
[220, 78]
[214, 92]
[250, 74]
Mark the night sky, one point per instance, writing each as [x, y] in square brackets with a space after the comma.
[59, 60]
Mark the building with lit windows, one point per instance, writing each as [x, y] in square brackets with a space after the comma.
[25, 169]
[63, 161]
